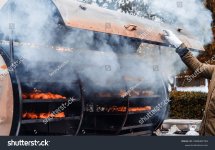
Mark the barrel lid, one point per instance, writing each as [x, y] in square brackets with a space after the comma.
[94, 18]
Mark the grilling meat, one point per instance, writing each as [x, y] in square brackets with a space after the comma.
[131, 109]
[124, 93]
[123, 109]
[39, 95]
[136, 109]
[60, 115]
[44, 115]
[28, 115]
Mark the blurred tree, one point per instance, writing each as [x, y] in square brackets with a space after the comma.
[109, 4]
[210, 48]
[133, 7]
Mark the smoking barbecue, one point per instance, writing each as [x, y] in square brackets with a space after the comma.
[111, 99]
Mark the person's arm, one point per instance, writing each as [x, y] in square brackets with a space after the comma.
[204, 70]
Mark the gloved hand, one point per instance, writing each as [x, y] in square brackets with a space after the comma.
[170, 37]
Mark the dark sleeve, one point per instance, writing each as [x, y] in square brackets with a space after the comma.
[182, 50]
[204, 70]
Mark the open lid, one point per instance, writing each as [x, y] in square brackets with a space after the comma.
[90, 17]
[93, 18]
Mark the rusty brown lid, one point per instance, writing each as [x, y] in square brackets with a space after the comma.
[90, 17]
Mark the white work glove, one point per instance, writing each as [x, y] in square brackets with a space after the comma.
[170, 37]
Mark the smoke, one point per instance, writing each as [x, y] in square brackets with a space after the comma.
[100, 60]
[192, 15]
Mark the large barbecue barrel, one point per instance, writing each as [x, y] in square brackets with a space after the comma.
[39, 36]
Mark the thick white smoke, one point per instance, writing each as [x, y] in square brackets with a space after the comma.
[104, 65]
[192, 15]
[189, 15]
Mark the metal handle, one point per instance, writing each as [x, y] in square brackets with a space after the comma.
[130, 27]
